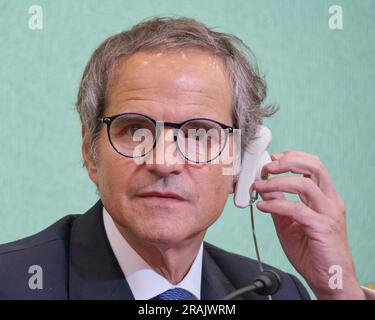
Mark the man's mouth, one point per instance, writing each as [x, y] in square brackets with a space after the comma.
[156, 198]
[162, 195]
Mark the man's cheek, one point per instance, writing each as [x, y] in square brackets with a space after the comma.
[111, 182]
[214, 191]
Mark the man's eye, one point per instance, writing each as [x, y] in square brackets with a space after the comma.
[130, 130]
[124, 130]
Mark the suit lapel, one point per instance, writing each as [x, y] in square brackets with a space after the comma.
[215, 285]
[94, 272]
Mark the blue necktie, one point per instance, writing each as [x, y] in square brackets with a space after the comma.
[175, 294]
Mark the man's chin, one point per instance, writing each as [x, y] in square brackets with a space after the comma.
[169, 237]
[166, 239]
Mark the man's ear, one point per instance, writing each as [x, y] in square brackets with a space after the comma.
[88, 162]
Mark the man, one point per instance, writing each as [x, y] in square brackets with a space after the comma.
[144, 238]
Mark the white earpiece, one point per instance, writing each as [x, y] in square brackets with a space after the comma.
[255, 157]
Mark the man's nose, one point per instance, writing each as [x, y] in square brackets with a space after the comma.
[166, 159]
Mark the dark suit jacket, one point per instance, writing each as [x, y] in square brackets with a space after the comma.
[78, 263]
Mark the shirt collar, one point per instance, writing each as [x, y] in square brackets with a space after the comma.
[144, 282]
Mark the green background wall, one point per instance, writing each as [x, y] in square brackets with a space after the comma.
[322, 79]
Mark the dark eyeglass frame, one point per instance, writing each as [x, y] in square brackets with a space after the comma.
[176, 125]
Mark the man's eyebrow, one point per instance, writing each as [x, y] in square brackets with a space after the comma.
[122, 107]
[124, 84]
[137, 99]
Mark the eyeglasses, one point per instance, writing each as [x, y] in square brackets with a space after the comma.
[198, 140]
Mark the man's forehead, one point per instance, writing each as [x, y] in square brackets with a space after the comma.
[179, 56]
[189, 76]
[171, 65]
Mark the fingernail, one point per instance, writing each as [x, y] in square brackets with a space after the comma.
[277, 156]
[273, 164]
[260, 183]
[261, 204]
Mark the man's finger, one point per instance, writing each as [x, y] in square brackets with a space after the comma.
[272, 195]
[295, 210]
[303, 163]
[308, 192]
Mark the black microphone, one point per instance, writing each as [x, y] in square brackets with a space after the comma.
[266, 283]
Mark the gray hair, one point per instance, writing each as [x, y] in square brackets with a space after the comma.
[248, 86]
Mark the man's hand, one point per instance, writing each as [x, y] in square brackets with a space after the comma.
[312, 231]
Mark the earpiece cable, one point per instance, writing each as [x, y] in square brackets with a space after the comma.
[252, 201]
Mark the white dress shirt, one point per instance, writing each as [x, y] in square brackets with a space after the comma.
[144, 282]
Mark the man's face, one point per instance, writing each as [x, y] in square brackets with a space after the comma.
[170, 86]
